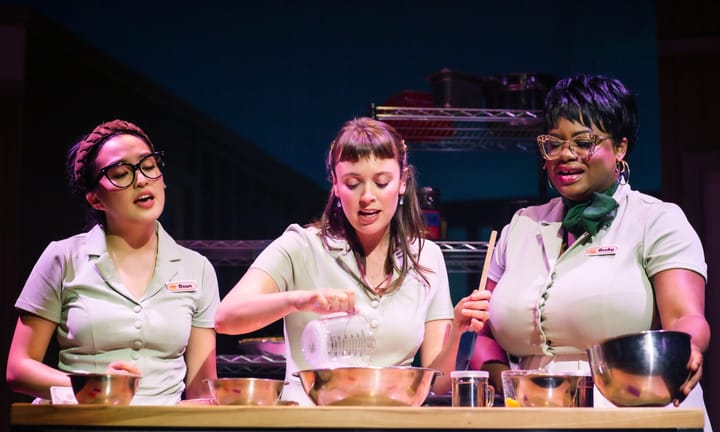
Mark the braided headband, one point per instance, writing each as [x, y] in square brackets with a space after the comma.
[101, 133]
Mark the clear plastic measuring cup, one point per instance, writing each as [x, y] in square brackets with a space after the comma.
[338, 340]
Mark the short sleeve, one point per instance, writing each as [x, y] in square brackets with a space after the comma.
[671, 242]
[280, 257]
[42, 293]
[441, 305]
[209, 299]
[497, 263]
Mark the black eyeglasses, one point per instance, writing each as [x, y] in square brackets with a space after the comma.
[122, 174]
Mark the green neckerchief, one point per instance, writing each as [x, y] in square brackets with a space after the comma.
[591, 215]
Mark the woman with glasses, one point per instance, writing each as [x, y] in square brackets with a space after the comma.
[600, 260]
[122, 297]
[366, 255]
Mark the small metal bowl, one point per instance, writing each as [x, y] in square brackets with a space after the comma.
[538, 388]
[245, 391]
[641, 369]
[104, 388]
[368, 386]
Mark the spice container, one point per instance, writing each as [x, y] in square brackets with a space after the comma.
[429, 201]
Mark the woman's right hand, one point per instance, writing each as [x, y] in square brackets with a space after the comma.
[324, 301]
[471, 312]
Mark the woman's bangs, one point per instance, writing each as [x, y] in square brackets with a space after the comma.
[355, 150]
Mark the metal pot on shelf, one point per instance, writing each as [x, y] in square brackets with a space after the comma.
[522, 91]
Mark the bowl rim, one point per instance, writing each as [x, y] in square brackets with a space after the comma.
[103, 374]
[545, 373]
[640, 333]
[368, 368]
[227, 379]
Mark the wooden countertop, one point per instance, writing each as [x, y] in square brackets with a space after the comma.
[293, 417]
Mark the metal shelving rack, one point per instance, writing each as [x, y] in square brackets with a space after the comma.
[464, 129]
[251, 365]
[463, 257]
[460, 257]
[229, 253]
[467, 129]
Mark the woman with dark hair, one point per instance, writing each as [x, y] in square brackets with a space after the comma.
[122, 297]
[366, 255]
[601, 260]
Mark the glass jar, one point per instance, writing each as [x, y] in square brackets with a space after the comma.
[470, 388]
[429, 201]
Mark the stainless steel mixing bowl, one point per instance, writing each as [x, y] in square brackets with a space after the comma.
[368, 386]
[539, 388]
[641, 369]
[245, 391]
[104, 388]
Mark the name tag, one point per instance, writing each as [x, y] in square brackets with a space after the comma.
[601, 250]
[181, 286]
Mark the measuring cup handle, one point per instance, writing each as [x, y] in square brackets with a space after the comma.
[489, 395]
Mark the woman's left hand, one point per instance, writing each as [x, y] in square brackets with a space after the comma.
[123, 367]
[471, 312]
[695, 369]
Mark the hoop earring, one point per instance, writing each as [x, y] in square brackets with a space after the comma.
[402, 200]
[549, 183]
[622, 169]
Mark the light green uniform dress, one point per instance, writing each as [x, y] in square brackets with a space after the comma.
[547, 306]
[298, 260]
[75, 284]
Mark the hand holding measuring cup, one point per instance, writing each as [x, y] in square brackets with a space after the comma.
[325, 301]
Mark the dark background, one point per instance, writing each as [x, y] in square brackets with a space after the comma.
[245, 98]
[284, 75]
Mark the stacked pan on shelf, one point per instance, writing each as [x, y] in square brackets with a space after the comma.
[514, 91]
